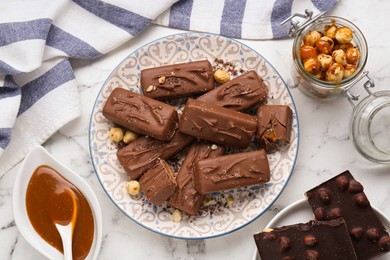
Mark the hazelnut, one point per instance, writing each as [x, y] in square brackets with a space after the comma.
[269, 236]
[384, 243]
[349, 70]
[133, 188]
[320, 213]
[343, 35]
[342, 182]
[161, 80]
[221, 76]
[324, 195]
[176, 216]
[229, 201]
[311, 38]
[334, 213]
[310, 240]
[325, 61]
[312, 255]
[343, 46]
[352, 55]
[355, 186]
[312, 66]
[129, 137]
[335, 73]
[340, 57]
[372, 234]
[357, 233]
[151, 88]
[284, 244]
[307, 52]
[116, 134]
[361, 199]
[330, 31]
[325, 45]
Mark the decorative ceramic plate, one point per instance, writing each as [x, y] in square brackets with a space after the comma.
[301, 212]
[217, 219]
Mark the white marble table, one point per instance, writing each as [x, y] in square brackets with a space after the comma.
[325, 150]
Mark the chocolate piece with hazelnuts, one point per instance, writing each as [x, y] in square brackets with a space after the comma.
[343, 196]
[312, 240]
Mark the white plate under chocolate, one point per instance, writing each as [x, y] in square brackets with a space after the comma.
[301, 212]
[217, 220]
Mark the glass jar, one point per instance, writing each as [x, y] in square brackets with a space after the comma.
[370, 119]
[319, 88]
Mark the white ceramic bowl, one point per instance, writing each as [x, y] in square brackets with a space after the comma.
[39, 156]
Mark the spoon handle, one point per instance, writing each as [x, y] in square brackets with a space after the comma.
[66, 235]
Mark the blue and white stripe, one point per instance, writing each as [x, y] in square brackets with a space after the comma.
[37, 85]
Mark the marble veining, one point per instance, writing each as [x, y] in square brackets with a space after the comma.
[325, 150]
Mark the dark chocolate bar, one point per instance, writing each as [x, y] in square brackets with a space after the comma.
[158, 183]
[217, 124]
[186, 198]
[140, 155]
[141, 114]
[343, 196]
[274, 124]
[231, 171]
[178, 80]
[239, 93]
[312, 240]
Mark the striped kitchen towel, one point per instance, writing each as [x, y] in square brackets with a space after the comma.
[38, 90]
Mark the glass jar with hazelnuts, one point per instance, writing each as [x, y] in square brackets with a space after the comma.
[330, 54]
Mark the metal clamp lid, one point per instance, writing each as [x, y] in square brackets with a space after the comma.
[367, 85]
[297, 26]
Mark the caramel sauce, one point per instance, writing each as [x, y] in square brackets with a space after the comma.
[48, 202]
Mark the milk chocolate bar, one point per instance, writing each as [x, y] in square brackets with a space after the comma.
[312, 240]
[239, 93]
[343, 196]
[274, 124]
[178, 80]
[141, 114]
[231, 171]
[140, 155]
[217, 124]
[158, 183]
[186, 198]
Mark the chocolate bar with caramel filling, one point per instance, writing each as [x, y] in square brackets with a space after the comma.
[178, 80]
[158, 183]
[141, 114]
[274, 124]
[312, 240]
[217, 124]
[140, 155]
[186, 198]
[231, 171]
[343, 196]
[239, 93]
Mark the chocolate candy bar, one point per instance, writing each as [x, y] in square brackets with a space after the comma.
[239, 93]
[343, 196]
[140, 155]
[217, 124]
[312, 240]
[274, 124]
[186, 198]
[158, 183]
[141, 114]
[178, 80]
[231, 171]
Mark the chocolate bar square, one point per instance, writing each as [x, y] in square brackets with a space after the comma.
[343, 196]
[274, 124]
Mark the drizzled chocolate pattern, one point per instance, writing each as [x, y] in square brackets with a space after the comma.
[178, 80]
[140, 155]
[186, 198]
[231, 171]
[239, 93]
[217, 124]
[141, 114]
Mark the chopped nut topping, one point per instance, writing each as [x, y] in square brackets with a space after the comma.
[161, 80]
[150, 88]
